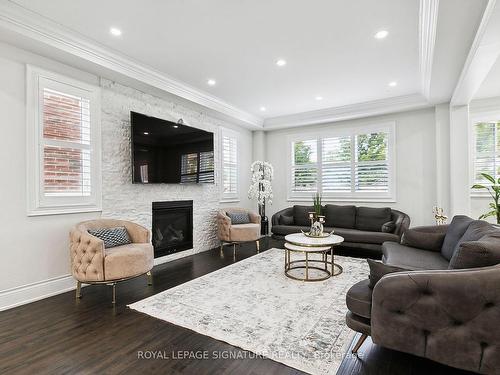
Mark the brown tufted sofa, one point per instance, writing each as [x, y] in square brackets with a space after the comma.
[445, 303]
[91, 263]
[229, 233]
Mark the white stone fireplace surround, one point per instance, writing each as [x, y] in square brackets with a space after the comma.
[123, 199]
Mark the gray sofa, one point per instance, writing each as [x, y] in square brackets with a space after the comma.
[362, 227]
[435, 295]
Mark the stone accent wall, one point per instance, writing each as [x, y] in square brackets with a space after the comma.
[122, 198]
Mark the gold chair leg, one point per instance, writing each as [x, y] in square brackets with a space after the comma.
[360, 342]
[78, 290]
[221, 249]
[150, 278]
[258, 245]
[234, 250]
[114, 293]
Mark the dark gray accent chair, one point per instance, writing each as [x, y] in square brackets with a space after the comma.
[440, 298]
[362, 227]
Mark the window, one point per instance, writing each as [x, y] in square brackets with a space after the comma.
[63, 144]
[352, 164]
[486, 152]
[229, 162]
[197, 167]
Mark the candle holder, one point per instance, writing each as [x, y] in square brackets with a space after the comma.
[317, 222]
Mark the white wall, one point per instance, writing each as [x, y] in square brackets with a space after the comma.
[415, 163]
[35, 250]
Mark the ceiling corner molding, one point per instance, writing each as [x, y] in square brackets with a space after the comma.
[481, 58]
[31, 25]
[348, 112]
[428, 18]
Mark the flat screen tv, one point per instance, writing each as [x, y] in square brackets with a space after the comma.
[169, 152]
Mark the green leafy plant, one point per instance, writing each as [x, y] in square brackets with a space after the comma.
[494, 191]
[317, 203]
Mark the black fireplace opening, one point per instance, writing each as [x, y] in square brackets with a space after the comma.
[172, 227]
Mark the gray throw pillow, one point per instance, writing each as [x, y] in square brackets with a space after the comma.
[389, 227]
[239, 217]
[371, 219]
[455, 231]
[432, 241]
[379, 269]
[301, 215]
[482, 253]
[112, 236]
[286, 220]
[340, 216]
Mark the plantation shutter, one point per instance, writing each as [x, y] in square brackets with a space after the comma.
[336, 168]
[371, 168]
[486, 151]
[229, 167]
[304, 167]
[65, 145]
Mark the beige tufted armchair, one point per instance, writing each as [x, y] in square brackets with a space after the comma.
[234, 234]
[92, 263]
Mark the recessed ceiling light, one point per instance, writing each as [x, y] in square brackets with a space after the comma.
[145, 133]
[318, 98]
[393, 84]
[381, 34]
[263, 109]
[115, 31]
[211, 82]
[281, 62]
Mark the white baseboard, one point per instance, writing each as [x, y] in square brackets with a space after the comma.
[36, 291]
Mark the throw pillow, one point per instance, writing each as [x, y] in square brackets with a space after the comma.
[389, 227]
[455, 231]
[379, 269]
[301, 215]
[482, 253]
[372, 219]
[112, 236]
[340, 216]
[286, 220]
[432, 241]
[239, 217]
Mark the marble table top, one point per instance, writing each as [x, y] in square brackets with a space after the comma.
[302, 240]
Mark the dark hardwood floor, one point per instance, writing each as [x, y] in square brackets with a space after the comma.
[60, 335]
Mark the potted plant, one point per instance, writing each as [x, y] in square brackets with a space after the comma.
[316, 218]
[494, 191]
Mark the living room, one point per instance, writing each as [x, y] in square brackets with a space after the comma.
[250, 187]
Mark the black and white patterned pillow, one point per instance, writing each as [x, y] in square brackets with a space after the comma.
[239, 217]
[112, 236]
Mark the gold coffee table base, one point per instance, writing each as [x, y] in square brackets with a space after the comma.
[324, 266]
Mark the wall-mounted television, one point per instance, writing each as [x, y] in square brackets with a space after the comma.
[170, 152]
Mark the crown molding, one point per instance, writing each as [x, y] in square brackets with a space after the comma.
[348, 112]
[481, 57]
[31, 25]
[428, 18]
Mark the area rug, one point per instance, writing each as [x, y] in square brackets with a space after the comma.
[251, 304]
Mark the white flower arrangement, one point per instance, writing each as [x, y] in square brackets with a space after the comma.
[261, 188]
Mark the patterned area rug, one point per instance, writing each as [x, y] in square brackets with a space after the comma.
[253, 305]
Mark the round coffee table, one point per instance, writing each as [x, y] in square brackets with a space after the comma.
[302, 244]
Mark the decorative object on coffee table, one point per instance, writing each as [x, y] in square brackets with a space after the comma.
[439, 215]
[262, 190]
[317, 220]
[315, 262]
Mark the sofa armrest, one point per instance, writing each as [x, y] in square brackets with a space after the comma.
[275, 220]
[137, 233]
[86, 256]
[223, 226]
[254, 217]
[448, 316]
[401, 220]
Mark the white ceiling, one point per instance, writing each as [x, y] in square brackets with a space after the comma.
[329, 46]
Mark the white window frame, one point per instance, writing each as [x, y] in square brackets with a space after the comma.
[38, 204]
[390, 196]
[229, 197]
[482, 116]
